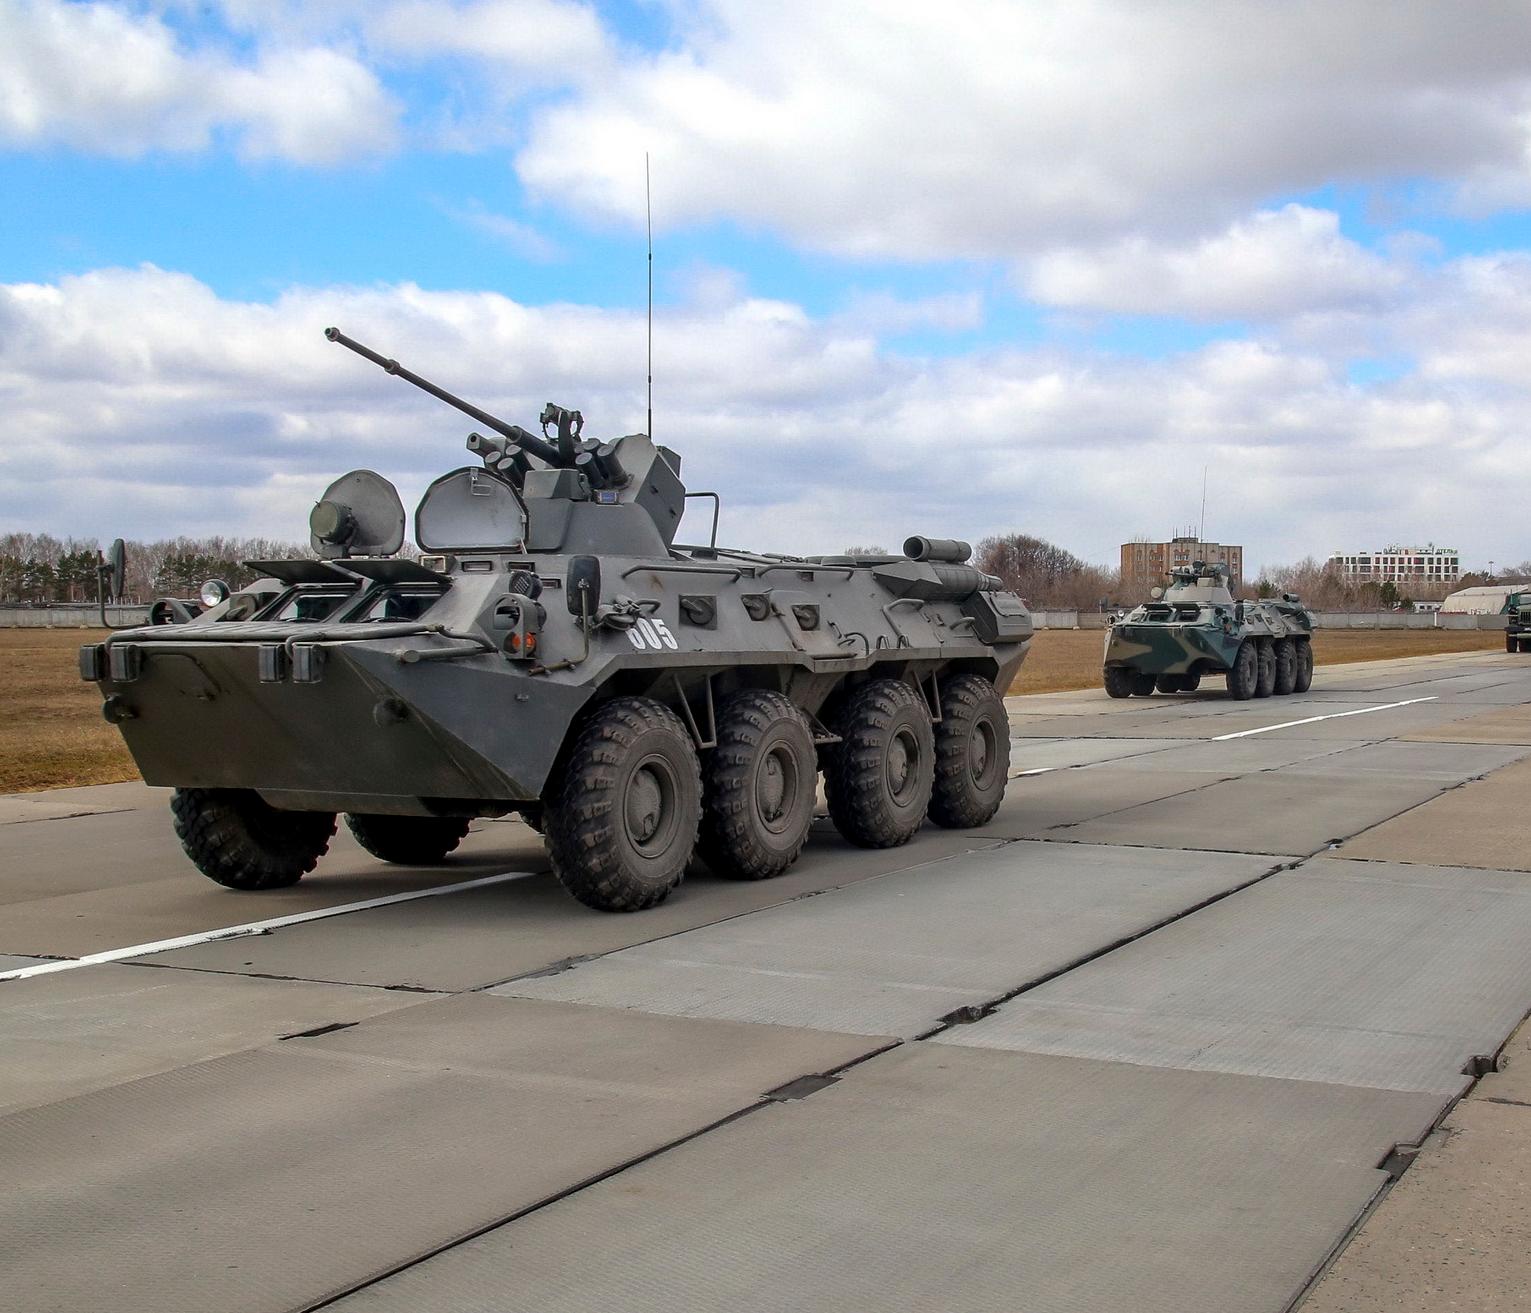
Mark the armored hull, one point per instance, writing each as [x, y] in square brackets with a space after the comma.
[1195, 629]
[554, 653]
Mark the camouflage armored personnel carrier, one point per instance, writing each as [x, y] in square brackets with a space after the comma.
[554, 653]
[1517, 633]
[1194, 629]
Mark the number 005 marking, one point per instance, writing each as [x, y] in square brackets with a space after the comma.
[651, 634]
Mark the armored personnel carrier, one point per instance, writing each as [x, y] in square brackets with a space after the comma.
[1194, 628]
[554, 653]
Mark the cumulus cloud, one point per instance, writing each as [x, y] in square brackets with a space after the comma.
[1278, 263]
[998, 130]
[102, 78]
[139, 401]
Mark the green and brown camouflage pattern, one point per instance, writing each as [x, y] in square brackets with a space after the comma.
[1196, 626]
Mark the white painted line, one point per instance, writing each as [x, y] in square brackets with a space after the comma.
[1333, 715]
[257, 927]
[1036, 770]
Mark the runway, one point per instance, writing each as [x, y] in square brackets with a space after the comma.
[1162, 1036]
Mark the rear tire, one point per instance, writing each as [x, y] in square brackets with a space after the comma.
[1244, 672]
[1286, 665]
[1142, 685]
[759, 787]
[240, 841]
[1265, 678]
[972, 754]
[623, 819]
[1304, 680]
[1190, 683]
[878, 778]
[1118, 681]
[408, 840]
[1170, 683]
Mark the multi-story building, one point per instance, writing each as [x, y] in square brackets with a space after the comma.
[1144, 564]
[1432, 564]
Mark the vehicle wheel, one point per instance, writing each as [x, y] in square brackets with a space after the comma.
[1286, 665]
[1142, 685]
[408, 840]
[1244, 672]
[972, 753]
[622, 822]
[758, 787]
[878, 778]
[1118, 681]
[1170, 683]
[1265, 677]
[1190, 683]
[238, 839]
[1304, 680]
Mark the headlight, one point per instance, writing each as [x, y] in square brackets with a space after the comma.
[213, 592]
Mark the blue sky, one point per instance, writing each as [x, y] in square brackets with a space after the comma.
[1000, 267]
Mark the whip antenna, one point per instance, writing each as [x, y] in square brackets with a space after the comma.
[648, 210]
[1201, 535]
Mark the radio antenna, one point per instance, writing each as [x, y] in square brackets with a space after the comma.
[648, 209]
[1201, 536]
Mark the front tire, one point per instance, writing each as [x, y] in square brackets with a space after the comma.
[759, 786]
[878, 778]
[1118, 681]
[622, 822]
[1304, 679]
[1244, 673]
[408, 840]
[239, 840]
[972, 754]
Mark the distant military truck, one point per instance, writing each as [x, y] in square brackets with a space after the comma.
[1517, 633]
[1194, 628]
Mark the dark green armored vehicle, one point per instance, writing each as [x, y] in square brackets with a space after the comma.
[554, 653]
[1517, 633]
[1194, 629]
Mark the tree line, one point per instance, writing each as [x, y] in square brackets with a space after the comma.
[38, 569]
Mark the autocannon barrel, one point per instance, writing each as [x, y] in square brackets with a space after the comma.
[529, 442]
[937, 549]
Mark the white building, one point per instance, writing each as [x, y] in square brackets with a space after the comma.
[1398, 564]
[1487, 600]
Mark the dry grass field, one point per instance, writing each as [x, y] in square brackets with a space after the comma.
[52, 734]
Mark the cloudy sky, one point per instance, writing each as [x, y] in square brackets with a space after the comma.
[953, 269]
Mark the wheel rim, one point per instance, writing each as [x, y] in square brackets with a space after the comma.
[776, 785]
[983, 753]
[649, 814]
[903, 766]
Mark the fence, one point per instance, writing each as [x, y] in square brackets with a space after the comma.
[69, 617]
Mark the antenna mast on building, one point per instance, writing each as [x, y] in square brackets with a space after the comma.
[1201, 534]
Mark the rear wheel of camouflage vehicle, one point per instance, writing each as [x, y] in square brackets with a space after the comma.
[878, 777]
[238, 839]
[408, 840]
[622, 822]
[1265, 677]
[1286, 665]
[1118, 681]
[972, 753]
[1170, 683]
[758, 787]
[1244, 673]
[1190, 683]
[1143, 685]
[1304, 680]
